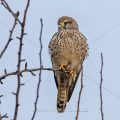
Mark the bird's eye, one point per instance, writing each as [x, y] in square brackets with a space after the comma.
[65, 23]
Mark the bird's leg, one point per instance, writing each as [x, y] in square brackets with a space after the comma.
[62, 67]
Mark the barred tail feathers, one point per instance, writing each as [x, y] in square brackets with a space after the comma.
[61, 99]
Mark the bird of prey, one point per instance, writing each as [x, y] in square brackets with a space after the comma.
[68, 48]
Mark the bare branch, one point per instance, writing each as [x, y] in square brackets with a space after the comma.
[5, 4]
[80, 93]
[39, 81]
[10, 36]
[101, 82]
[6, 75]
[20, 60]
[27, 70]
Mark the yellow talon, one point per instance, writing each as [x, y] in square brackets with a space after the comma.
[71, 72]
[62, 67]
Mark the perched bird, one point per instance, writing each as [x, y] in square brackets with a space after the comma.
[68, 49]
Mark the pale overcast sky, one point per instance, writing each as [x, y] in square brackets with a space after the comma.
[99, 21]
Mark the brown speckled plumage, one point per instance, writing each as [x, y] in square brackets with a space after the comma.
[68, 46]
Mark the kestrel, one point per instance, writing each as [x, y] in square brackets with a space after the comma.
[68, 49]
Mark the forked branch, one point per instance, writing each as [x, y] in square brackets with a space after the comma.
[20, 60]
[6, 5]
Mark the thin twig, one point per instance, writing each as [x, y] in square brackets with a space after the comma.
[101, 82]
[6, 75]
[19, 61]
[4, 116]
[80, 93]
[10, 36]
[5, 4]
[39, 81]
[0, 97]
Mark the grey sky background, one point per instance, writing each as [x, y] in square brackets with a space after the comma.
[99, 21]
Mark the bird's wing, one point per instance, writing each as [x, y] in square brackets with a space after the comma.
[72, 86]
[55, 77]
[52, 53]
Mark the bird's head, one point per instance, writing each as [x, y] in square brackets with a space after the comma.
[66, 22]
